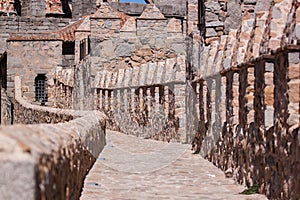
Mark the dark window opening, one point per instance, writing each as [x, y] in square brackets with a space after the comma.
[66, 8]
[68, 48]
[3, 71]
[84, 48]
[41, 94]
[89, 45]
[3, 76]
[201, 18]
[18, 7]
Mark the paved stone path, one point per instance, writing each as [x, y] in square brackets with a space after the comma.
[134, 168]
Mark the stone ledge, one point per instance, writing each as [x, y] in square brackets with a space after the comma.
[49, 161]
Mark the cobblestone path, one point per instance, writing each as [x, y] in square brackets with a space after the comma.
[134, 168]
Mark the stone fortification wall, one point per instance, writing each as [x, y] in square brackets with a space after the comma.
[34, 8]
[222, 16]
[83, 7]
[248, 102]
[123, 49]
[118, 40]
[83, 94]
[249, 123]
[52, 160]
[63, 88]
[28, 25]
[146, 101]
[31, 59]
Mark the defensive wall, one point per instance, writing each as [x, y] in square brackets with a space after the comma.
[246, 110]
[228, 81]
[48, 161]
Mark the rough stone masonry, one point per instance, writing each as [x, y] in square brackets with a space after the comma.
[222, 75]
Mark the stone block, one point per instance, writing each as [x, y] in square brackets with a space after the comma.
[294, 91]
[212, 6]
[294, 71]
[124, 50]
[211, 16]
[269, 79]
[294, 58]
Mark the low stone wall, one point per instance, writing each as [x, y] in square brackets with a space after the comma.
[6, 109]
[249, 123]
[247, 99]
[63, 88]
[48, 161]
[146, 101]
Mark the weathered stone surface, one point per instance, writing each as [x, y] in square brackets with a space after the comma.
[128, 7]
[152, 12]
[44, 62]
[234, 17]
[294, 91]
[214, 24]
[242, 87]
[130, 25]
[212, 6]
[174, 26]
[210, 16]
[156, 176]
[210, 32]
[36, 150]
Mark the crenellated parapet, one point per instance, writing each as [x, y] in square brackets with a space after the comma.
[248, 99]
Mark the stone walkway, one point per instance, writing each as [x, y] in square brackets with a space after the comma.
[134, 168]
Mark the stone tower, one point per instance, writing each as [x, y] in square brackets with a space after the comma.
[83, 7]
[34, 8]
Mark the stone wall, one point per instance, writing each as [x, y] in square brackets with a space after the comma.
[31, 25]
[146, 101]
[120, 41]
[222, 16]
[247, 100]
[254, 137]
[52, 160]
[34, 8]
[83, 89]
[28, 25]
[6, 108]
[83, 7]
[31, 59]
[174, 9]
[63, 88]
[129, 8]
